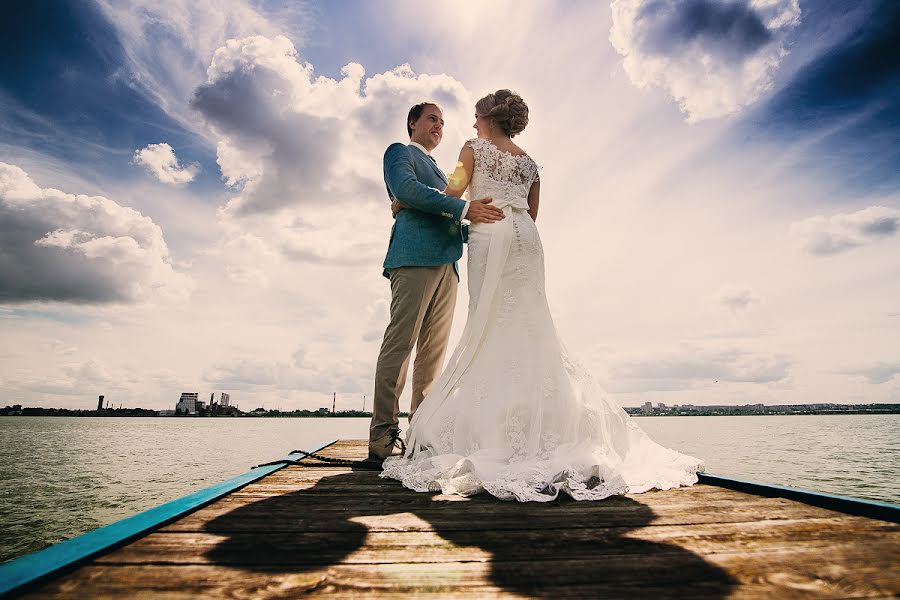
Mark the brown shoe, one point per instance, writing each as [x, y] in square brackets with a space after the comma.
[386, 445]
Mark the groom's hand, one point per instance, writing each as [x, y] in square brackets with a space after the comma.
[397, 206]
[480, 211]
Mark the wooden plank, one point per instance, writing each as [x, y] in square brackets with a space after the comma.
[850, 572]
[334, 492]
[293, 475]
[339, 492]
[260, 548]
[293, 513]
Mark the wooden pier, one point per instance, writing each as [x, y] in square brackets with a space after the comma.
[310, 528]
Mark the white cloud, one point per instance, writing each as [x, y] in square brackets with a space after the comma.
[713, 57]
[299, 374]
[74, 379]
[824, 236]
[692, 367]
[168, 44]
[62, 348]
[736, 297]
[288, 138]
[160, 160]
[76, 248]
[303, 153]
[877, 374]
[241, 374]
[378, 314]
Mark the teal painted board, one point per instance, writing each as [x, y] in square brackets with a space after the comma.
[36, 566]
[844, 504]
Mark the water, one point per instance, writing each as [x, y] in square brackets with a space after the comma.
[60, 477]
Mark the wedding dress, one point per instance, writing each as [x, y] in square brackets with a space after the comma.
[513, 414]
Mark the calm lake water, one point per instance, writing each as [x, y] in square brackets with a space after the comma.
[60, 477]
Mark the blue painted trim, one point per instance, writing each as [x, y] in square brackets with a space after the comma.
[37, 566]
[844, 504]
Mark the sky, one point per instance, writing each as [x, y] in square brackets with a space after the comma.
[192, 197]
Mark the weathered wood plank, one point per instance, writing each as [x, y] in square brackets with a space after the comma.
[769, 574]
[288, 514]
[330, 493]
[329, 479]
[382, 547]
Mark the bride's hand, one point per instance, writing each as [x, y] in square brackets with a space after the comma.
[397, 206]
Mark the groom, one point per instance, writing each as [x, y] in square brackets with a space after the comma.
[421, 265]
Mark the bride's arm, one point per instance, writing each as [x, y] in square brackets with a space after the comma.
[456, 183]
[461, 177]
[534, 198]
[402, 184]
[476, 211]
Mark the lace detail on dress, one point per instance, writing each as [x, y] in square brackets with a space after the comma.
[445, 435]
[505, 177]
[514, 414]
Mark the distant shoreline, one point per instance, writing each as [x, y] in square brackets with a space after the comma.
[762, 410]
[694, 411]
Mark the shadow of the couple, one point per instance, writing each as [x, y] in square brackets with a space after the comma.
[378, 528]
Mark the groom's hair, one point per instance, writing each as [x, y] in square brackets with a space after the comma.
[414, 113]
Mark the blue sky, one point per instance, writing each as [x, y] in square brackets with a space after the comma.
[191, 197]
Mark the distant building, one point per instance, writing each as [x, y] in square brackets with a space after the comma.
[662, 407]
[188, 402]
[647, 407]
[100, 403]
[218, 409]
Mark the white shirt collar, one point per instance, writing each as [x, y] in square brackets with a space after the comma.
[420, 147]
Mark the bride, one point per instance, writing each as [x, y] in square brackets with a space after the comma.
[527, 421]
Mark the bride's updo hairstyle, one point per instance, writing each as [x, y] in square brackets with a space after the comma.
[507, 109]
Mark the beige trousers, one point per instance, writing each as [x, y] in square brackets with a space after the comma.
[422, 303]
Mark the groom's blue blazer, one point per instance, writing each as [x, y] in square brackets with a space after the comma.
[431, 234]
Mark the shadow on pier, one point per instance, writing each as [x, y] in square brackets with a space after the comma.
[356, 533]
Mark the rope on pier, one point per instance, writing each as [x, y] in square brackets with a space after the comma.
[370, 464]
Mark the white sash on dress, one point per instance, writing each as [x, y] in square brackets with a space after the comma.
[501, 239]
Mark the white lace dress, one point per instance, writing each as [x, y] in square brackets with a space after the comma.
[513, 414]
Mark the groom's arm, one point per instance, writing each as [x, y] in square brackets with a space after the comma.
[400, 175]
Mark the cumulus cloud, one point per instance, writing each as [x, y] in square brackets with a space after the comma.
[880, 373]
[378, 315]
[691, 367]
[824, 236]
[160, 160]
[299, 374]
[62, 348]
[288, 138]
[736, 297]
[167, 44]
[241, 374]
[74, 379]
[713, 57]
[303, 152]
[76, 248]
[259, 249]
